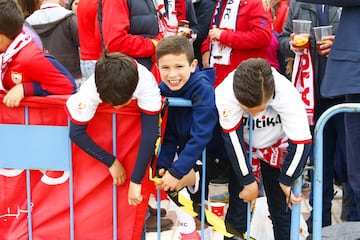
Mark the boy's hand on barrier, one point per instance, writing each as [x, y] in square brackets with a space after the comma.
[290, 197]
[14, 96]
[159, 175]
[168, 182]
[134, 194]
[250, 192]
[117, 172]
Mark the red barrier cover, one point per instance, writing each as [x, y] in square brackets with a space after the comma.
[92, 180]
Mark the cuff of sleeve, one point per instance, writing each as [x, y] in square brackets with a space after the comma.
[174, 174]
[134, 180]
[28, 88]
[288, 181]
[248, 179]
[109, 162]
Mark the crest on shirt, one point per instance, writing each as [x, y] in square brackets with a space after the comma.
[81, 105]
[16, 77]
[226, 112]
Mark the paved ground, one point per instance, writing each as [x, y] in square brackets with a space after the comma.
[218, 189]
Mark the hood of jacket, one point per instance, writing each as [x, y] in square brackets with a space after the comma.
[205, 74]
[48, 17]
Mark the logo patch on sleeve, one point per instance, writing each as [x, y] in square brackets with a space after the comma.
[226, 112]
[16, 77]
[81, 105]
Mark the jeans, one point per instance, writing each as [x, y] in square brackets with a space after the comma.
[87, 68]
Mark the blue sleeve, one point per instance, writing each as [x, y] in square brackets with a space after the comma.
[294, 163]
[150, 129]
[80, 137]
[204, 117]
[241, 167]
[168, 148]
[38, 91]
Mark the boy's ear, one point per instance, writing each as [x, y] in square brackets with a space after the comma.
[193, 65]
[3, 42]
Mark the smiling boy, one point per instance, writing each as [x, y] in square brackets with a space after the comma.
[188, 129]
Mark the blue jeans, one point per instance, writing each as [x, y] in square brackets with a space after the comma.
[87, 68]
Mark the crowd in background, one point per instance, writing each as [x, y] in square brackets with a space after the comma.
[223, 34]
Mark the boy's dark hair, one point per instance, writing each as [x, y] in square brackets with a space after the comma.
[11, 18]
[253, 82]
[116, 78]
[175, 45]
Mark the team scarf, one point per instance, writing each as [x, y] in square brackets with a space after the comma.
[224, 21]
[303, 79]
[273, 155]
[21, 40]
[179, 6]
[163, 17]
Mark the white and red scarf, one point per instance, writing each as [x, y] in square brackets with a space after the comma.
[274, 155]
[163, 17]
[227, 20]
[303, 79]
[21, 40]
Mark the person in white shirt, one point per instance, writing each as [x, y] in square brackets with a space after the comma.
[281, 140]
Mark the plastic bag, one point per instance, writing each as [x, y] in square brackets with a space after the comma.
[261, 224]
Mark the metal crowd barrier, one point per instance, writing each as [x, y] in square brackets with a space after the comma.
[296, 208]
[180, 102]
[55, 141]
[318, 162]
[52, 142]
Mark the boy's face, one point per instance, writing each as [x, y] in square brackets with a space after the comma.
[254, 111]
[175, 70]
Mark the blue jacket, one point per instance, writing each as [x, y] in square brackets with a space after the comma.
[342, 75]
[188, 130]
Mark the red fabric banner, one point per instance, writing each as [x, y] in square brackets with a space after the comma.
[92, 181]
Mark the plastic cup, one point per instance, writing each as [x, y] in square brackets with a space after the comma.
[218, 208]
[301, 29]
[320, 33]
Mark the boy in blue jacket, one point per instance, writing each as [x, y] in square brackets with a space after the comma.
[188, 129]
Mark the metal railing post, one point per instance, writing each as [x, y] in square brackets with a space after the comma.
[318, 161]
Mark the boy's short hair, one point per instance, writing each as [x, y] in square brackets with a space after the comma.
[175, 45]
[253, 82]
[116, 78]
[11, 18]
